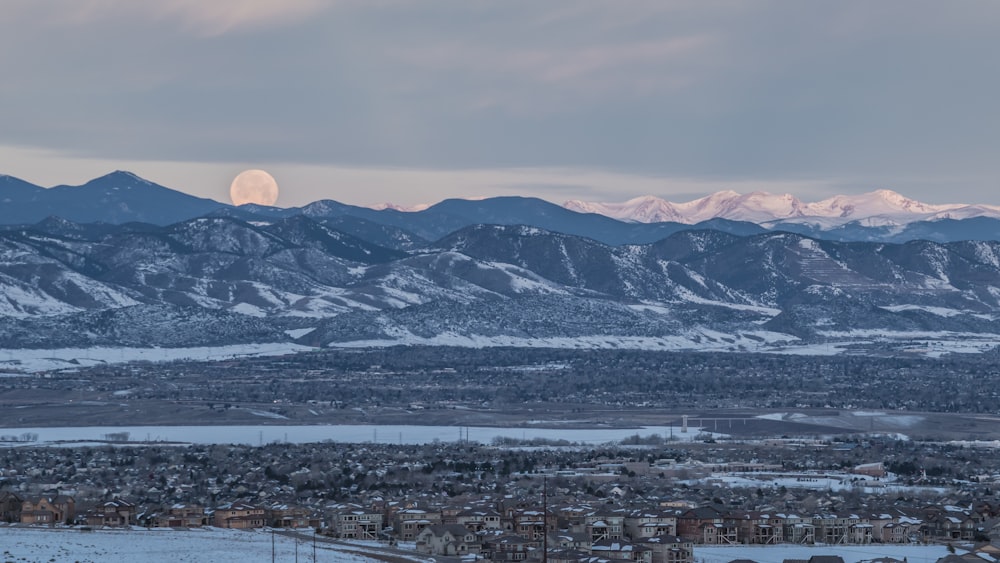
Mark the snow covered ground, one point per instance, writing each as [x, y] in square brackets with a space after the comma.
[30, 545]
[66, 358]
[931, 344]
[38, 545]
[343, 433]
[850, 553]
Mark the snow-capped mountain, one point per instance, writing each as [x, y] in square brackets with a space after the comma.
[873, 209]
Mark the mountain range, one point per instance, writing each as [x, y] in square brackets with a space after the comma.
[882, 215]
[503, 271]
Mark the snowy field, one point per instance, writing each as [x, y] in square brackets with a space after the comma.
[67, 358]
[931, 344]
[342, 433]
[850, 553]
[38, 545]
[217, 545]
[819, 482]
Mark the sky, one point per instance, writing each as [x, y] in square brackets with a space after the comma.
[369, 101]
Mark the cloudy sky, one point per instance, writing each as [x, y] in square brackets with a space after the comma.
[366, 101]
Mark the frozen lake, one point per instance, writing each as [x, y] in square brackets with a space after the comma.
[342, 433]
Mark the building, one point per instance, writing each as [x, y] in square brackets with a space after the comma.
[10, 507]
[48, 510]
[351, 521]
[115, 513]
[447, 539]
[238, 515]
[180, 516]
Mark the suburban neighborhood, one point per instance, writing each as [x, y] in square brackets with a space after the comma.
[468, 500]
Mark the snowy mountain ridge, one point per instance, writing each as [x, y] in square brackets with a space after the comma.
[221, 281]
[876, 208]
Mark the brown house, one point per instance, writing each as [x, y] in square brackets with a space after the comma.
[286, 516]
[10, 507]
[113, 513]
[707, 525]
[353, 521]
[670, 549]
[48, 510]
[447, 539]
[238, 515]
[181, 516]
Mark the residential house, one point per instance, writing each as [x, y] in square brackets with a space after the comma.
[669, 549]
[509, 547]
[447, 539]
[238, 515]
[352, 521]
[10, 507]
[798, 529]
[708, 525]
[180, 516]
[529, 523]
[622, 550]
[604, 524]
[952, 525]
[287, 516]
[410, 522]
[479, 519]
[650, 523]
[114, 513]
[760, 527]
[574, 556]
[48, 510]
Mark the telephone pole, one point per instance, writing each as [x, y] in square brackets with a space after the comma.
[545, 520]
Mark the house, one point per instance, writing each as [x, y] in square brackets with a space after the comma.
[10, 507]
[113, 513]
[447, 539]
[760, 528]
[798, 529]
[48, 510]
[870, 469]
[846, 528]
[692, 523]
[238, 515]
[569, 540]
[286, 516]
[650, 523]
[604, 524]
[622, 550]
[351, 521]
[479, 519]
[669, 549]
[409, 522]
[508, 547]
[529, 523]
[952, 525]
[180, 516]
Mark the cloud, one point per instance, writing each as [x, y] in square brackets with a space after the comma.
[770, 90]
[199, 17]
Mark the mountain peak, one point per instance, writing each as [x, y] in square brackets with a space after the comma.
[121, 177]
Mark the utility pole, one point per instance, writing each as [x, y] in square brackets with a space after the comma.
[314, 545]
[272, 546]
[545, 520]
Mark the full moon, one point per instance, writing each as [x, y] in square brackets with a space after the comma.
[253, 186]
